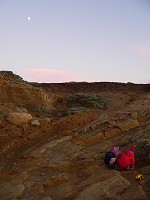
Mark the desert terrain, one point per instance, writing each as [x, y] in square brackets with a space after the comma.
[53, 138]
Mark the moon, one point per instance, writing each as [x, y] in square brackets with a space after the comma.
[29, 18]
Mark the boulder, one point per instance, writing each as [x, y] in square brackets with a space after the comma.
[35, 122]
[19, 118]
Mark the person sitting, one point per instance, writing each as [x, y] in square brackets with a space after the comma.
[110, 157]
[126, 159]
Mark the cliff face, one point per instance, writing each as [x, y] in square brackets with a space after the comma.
[21, 92]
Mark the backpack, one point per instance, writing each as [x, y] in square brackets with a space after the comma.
[108, 157]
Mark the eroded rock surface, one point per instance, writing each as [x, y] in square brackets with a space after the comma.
[61, 158]
[71, 166]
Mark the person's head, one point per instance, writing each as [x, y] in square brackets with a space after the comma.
[115, 150]
[133, 149]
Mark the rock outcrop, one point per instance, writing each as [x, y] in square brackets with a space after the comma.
[23, 93]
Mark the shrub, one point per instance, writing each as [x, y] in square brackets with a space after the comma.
[87, 100]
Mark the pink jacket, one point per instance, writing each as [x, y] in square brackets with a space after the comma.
[126, 160]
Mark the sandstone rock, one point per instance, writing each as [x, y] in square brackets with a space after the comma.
[104, 190]
[89, 176]
[47, 198]
[57, 180]
[134, 115]
[19, 118]
[142, 140]
[46, 121]
[37, 190]
[4, 137]
[135, 192]
[64, 154]
[24, 93]
[50, 145]
[112, 133]
[126, 125]
[15, 133]
[56, 142]
[2, 81]
[90, 139]
[145, 170]
[9, 192]
[35, 122]
[144, 114]
[23, 176]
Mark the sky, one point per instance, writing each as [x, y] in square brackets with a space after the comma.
[76, 40]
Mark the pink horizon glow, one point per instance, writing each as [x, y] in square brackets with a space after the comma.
[60, 76]
[143, 50]
[51, 76]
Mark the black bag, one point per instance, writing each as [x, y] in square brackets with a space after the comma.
[108, 157]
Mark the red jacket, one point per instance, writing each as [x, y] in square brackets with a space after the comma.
[126, 159]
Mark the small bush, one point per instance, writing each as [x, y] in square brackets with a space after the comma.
[43, 109]
[87, 100]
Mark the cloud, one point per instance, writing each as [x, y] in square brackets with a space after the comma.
[143, 50]
[49, 75]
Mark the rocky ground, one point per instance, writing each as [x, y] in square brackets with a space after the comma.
[48, 155]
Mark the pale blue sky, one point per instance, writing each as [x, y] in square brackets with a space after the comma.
[76, 40]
